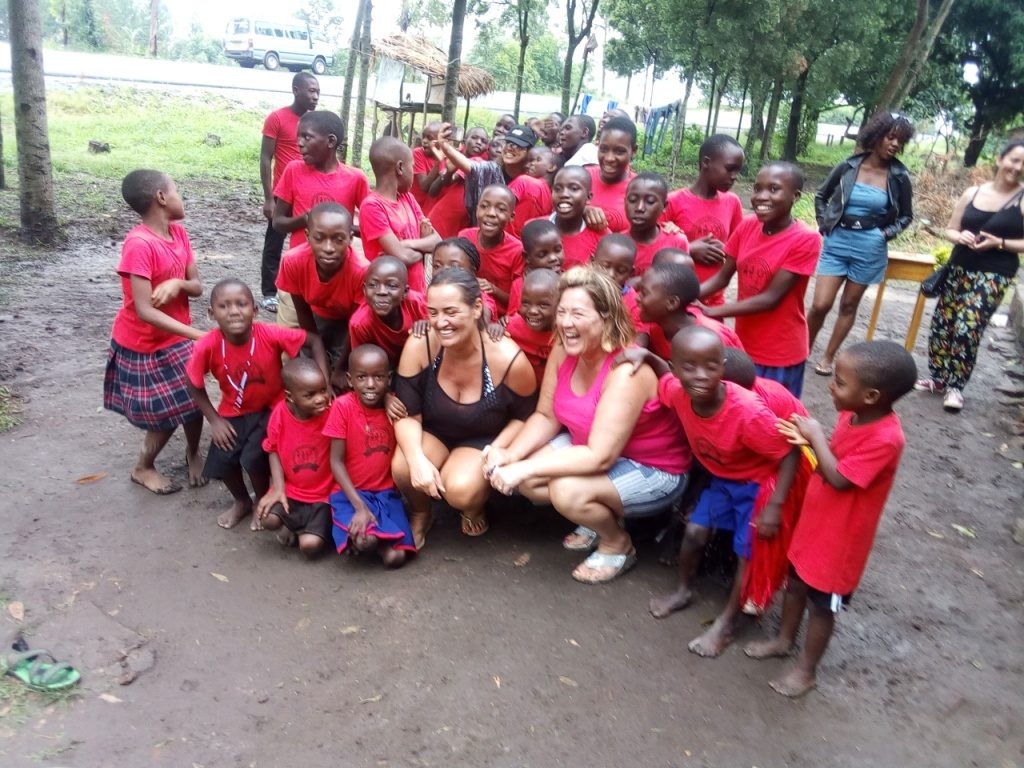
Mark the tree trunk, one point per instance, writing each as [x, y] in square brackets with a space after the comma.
[35, 172]
[629, 82]
[574, 40]
[350, 76]
[743, 106]
[773, 116]
[757, 98]
[981, 126]
[451, 80]
[789, 150]
[364, 73]
[62, 21]
[154, 25]
[718, 102]
[524, 41]
[916, 49]
[711, 101]
[566, 81]
[680, 128]
[3, 177]
[924, 50]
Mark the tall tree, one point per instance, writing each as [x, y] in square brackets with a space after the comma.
[154, 26]
[451, 80]
[928, 20]
[350, 74]
[577, 30]
[520, 10]
[35, 171]
[364, 74]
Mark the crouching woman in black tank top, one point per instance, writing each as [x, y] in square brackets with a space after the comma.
[462, 391]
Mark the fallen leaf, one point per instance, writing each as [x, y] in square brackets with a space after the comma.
[452, 559]
[110, 698]
[522, 560]
[988, 434]
[977, 664]
[935, 534]
[963, 530]
[497, 680]
[91, 478]
[568, 681]
[688, 753]
[372, 699]
[657, 730]
[978, 572]
[350, 630]
[219, 577]
[17, 610]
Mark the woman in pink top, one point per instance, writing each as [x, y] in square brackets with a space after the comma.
[623, 454]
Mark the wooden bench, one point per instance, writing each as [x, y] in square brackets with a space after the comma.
[904, 266]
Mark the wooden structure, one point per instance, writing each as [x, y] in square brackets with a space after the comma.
[904, 266]
[391, 95]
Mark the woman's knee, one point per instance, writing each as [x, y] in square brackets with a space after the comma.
[465, 486]
[568, 493]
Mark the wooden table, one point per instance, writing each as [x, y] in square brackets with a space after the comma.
[904, 266]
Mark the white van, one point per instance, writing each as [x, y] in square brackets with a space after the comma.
[252, 41]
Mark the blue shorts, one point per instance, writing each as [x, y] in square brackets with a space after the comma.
[861, 256]
[789, 376]
[386, 506]
[728, 505]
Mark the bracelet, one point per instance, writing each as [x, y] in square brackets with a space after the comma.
[1003, 246]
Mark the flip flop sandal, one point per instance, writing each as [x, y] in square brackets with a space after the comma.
[588, 535]
[823, 370]
[37, 674]
[619, 563]
[468, 523]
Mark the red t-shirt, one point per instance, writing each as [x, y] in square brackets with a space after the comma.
[500, 265]
[836, 529]
[369, 442]
[610, 198]
[448, 214]
[662, 346]
[146, 254]
[338, 297]
[533, 201]
[629, 298]
[305, 454]
[739, 442]
[378, 216]
[515, 296]
[779, 400]
[578, 249]
[282, 125]
[250, 372]
[698, 218]
[422, 163]
[303, 186]
[777, 337]
[645, 251]
[365, 327]
[536, 345]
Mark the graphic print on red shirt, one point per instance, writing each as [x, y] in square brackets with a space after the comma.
[336, 299]
[304, 451]
[366, 327]
[699, 217]
[303, 187]
[369, 442]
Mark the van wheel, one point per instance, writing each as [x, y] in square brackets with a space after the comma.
[319, 65]
[271, 61]
[247, 64]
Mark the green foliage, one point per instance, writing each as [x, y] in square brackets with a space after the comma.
[198, 46]
[498, 53]
[323, 20]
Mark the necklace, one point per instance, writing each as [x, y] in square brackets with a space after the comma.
[238, 386]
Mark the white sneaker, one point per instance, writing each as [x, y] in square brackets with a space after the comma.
[928, 385]
[953, 401]
[269, 303]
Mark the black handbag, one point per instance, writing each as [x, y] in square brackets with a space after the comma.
[932, 285]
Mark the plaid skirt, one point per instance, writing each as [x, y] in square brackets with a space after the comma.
[150, 389]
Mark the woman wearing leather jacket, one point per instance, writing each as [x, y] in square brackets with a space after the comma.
[863, 204]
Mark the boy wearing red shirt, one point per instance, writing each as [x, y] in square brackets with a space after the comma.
[645, 201]
[542, 249]
[300, 460]
[775, 255]
[449, 213]
[616, 146]
[615, 256]
[389, 309]
[708, 212]
[844, 501]
[426, 169]
[570, 196]
[368, 511]
[245, 358]
[391, 221]
[501, 254]
[278, 148]
[532, 327]
[732, 433]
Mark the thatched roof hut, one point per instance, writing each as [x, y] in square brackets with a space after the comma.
[425, 57]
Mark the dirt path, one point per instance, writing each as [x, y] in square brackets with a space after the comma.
[243, 655]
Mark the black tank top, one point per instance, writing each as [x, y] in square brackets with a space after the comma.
[1007, 223]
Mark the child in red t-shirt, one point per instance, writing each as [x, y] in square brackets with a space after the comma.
[732, 433]
[300, 460]
[646, 195]
[245, 359]
[615, 256]
[708, 212]
[543, 164]
[501, 254]
[449, 213]
[368, 511]
[570, 196]
[775, 255]
[319, 177]
[542, 249]
[152, 336]
[616, 146]
[426, 169]
[390, 220]
[532, 327]
[844, 501]
[389, 310]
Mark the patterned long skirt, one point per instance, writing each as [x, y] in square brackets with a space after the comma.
[966, 304]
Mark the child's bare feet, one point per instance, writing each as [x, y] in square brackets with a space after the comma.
[665, 605]
[393, 558]
[286, 537]
[194, 462]
[794, 683]
[255, 524]
[238, 511]
[773, 647]
[153, 481]
[711, 644]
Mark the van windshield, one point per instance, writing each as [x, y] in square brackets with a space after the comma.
[239, 27]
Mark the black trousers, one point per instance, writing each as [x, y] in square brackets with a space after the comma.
[273, 244]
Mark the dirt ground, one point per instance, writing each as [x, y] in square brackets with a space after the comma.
[238, 653]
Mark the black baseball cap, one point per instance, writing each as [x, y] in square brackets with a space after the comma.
[522, 136]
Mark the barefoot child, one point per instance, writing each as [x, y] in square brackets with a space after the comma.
[389, 310]
[390, 220]
[300, 460]
[501, 254]
[844, 501]
[646, 195]
[570, 196]
[732, 433]
[245, 358]
[775, 255]
[152, 336]
[615, 256]
[532, 327]
[368, 511]
[542, 249]
[708, 212]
